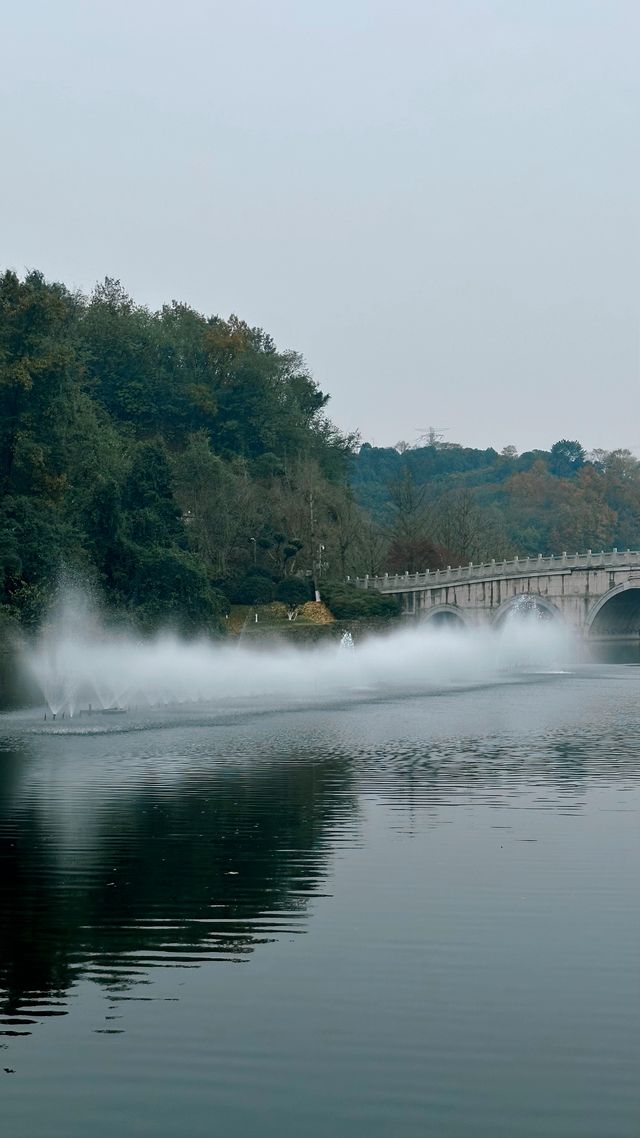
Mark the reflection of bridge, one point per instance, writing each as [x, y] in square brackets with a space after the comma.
[598, 594]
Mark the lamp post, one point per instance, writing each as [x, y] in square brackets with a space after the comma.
[317, 565]
[255, 546]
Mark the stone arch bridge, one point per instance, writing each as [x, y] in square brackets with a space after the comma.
[597, 594]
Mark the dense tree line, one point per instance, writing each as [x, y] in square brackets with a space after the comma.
[165, 455]
[448, 504]
[182, 463]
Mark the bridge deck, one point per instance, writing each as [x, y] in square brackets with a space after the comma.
[488, 571]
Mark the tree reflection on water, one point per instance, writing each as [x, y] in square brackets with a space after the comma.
[207, 866]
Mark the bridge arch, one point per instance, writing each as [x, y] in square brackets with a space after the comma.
[548, 609]
[617, 613]
[449, 615]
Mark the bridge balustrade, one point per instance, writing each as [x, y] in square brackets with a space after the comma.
[518, 567]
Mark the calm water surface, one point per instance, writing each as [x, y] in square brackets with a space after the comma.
[414, 916]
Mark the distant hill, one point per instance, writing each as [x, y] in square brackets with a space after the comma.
[542, 501]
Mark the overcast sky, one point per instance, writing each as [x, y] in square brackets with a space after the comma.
[437, 203]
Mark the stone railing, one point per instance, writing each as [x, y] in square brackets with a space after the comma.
[489, 570]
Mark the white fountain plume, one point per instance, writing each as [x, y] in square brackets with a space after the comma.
[79, 664]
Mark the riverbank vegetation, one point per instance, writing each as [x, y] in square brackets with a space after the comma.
[182, 464]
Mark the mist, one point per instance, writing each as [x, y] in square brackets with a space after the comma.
[79, 664]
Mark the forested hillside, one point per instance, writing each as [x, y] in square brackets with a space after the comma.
[474, 504]
[164, 456]
[181, 462]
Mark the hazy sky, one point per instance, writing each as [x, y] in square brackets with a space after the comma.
[436, 202]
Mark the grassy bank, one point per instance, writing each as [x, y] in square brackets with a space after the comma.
[313, 624]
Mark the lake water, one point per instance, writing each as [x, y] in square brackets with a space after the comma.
[377, 917]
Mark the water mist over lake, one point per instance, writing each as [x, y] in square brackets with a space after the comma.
[78, 663]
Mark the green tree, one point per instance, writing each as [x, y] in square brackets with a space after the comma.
[294, 591]
[567, 457]
[221, 504]
[411, 546]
